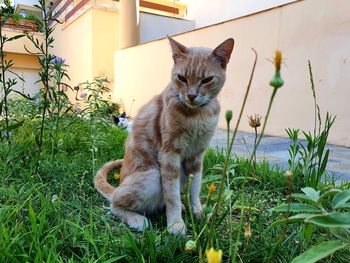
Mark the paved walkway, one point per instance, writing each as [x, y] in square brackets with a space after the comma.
[275, 151]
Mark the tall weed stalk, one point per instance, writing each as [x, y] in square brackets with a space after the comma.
[7, 83]
[45, 58]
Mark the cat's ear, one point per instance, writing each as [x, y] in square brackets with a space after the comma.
[222, 52]
[179, 50]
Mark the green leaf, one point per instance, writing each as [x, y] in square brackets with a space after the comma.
[341, 198]
[330, 192]
[302, 197]
[298, 208]
[331, 220]
[319, 252]
[341, 233]
[311, 193]
[292, 219]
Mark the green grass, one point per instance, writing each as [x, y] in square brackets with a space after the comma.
[54, 214]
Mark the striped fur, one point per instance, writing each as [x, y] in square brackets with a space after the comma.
[169, 136]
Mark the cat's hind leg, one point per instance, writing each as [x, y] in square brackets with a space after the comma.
[139, 194]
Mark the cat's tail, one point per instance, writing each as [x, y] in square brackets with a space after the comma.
[101, 184]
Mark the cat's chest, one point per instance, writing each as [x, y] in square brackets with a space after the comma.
[196, 136]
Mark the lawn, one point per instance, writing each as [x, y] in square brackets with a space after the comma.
[51, 212]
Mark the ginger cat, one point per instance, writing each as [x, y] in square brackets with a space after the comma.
[168, 138]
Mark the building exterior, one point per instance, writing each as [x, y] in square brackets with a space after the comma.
[315, 30]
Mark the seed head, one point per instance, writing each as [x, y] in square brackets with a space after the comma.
[288, 174]
[247, 231]
[255, 121]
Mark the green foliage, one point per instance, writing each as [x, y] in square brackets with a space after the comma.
[8, 9]
[7, 83]
[329, 210]
[310, 160]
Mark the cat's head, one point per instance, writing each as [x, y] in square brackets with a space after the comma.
[199, 73]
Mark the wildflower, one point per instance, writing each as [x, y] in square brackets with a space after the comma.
[288, 174]
[228, 116]
[213, 256]
[78, 110]
[57, 60]
[212, 188]
[116, 176]
[247, 231]
[277, 81]
[190, 245]
[254, 122]
[83, 95]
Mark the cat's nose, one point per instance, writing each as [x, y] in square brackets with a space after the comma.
[191, 97]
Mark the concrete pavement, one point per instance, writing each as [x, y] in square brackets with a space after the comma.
[275, 151]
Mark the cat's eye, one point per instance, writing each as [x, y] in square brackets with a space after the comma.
[182, 78]
[206, 80]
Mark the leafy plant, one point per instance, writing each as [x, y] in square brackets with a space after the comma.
[45, 58]
[7, 84]
[329, 210]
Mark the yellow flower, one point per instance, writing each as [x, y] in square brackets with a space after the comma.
[213, 256]
[247, 231]
[212, 188]
[278, 60]
[277, 80]
[116, 176]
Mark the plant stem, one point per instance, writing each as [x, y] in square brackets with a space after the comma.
[265, 122]
[198, 244]
[228, 154]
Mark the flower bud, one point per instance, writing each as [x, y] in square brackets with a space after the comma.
[228, 116]
[190, 245]
[277, 81]
[288, 174]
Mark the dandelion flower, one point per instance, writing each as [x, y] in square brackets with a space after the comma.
[213, 256]
[277, 80]
[212, 188]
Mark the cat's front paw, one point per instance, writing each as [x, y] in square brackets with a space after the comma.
[197, 210]
[177, 228]
[197, 213]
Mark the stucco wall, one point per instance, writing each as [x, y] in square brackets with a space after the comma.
[318, 30]
[74, 43]
[154, 27]
[208, 12]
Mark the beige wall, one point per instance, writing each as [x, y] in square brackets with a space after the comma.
[73, 42]
[17, 46]
[312, 29]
